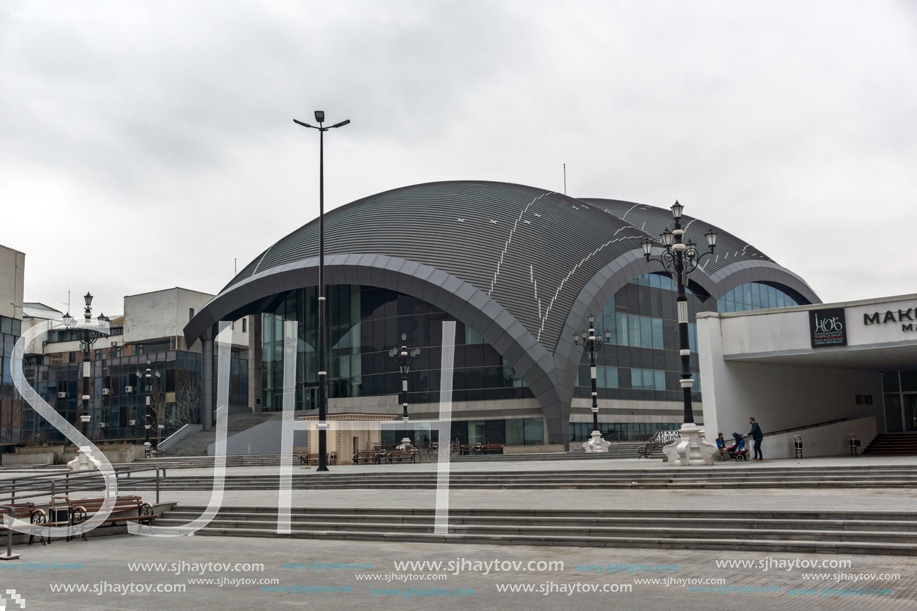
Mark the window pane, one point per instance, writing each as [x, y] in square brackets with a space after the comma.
[514, 432]
[633, 323]
[611, 377]
[621, 320]
[657, 334]
[534, 432]
[646, 332]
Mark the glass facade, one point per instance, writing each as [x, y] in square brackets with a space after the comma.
[900, 397]
[10, 401]
[754, 296]
[119, 391]
[641, 360]
[364, 323]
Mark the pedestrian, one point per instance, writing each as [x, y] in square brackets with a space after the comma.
[720, 444]
[756, 434]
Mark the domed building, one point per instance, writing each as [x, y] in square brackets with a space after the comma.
[520, 270]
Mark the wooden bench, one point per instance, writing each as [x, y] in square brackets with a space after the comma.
[368, 456]
[400, 455]
[312, 459]
[82, 509]
[28, 512]
[492, 448]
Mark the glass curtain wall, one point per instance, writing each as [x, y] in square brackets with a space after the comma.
[641, 360]
[364, 323]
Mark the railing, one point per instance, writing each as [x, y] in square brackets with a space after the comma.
[661, 438]
[169, 442]
[808, 426]
[49, 484]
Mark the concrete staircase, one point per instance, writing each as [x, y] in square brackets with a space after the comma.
[886, 533]
[384, 477]
[196, 445]
[896, 444]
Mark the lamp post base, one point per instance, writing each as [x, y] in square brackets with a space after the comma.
[691, 449]
[596, 443]
[84, 460]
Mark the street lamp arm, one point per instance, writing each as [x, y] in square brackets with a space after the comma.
[304, 124]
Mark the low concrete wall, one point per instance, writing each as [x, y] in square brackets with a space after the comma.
[535, 449]
[27, 458]
[39, 449]
[114, 456]
[263, 438]
[830, 440]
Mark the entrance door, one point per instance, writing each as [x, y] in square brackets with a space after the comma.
[893, 413]
[910, 413]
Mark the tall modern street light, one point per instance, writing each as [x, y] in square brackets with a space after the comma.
[405, 358]
[87, 334]
[680, 259]
[322, 373]
[593, 343]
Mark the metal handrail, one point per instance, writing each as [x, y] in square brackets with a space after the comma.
[43, 484]
[808, 426]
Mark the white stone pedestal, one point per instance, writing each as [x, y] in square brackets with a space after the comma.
[691, 449]
[84, 461]
[596, 443]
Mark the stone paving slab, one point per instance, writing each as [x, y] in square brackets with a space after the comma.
[772, 581]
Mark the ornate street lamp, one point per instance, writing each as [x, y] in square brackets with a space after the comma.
[87, 334]
[148, 415]
[593, 343]
[404, 356]
[679, 259]
[322, 373]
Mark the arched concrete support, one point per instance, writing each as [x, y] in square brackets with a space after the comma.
[766, 272]
[207, 398]
[455, 297]
[614, 276]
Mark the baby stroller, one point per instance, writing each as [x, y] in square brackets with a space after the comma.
[738, 451]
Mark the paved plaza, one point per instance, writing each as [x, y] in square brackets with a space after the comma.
[273, 574]
[134, 572]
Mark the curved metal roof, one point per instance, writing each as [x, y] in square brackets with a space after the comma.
[653, 220]
[529, 249]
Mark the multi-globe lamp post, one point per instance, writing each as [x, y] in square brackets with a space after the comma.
[87, 334]
[679, 259]
[404, 356]
[593, 342]
[148, 376]
[322, 425]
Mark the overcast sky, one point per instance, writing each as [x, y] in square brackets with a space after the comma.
[147, 145]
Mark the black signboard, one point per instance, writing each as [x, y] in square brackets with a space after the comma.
[828, 327]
